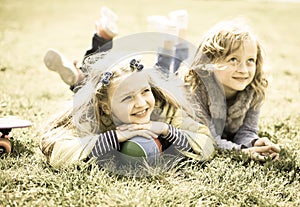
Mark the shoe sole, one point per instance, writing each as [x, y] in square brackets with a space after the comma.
[57, 63]
[110, 21]
[106, 12]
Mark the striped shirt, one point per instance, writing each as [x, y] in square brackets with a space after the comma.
[108, 141]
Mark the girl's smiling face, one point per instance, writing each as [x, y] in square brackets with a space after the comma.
[131, 101]
[238, 69]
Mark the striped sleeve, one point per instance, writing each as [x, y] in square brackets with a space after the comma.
[106, 142]
[177, 138]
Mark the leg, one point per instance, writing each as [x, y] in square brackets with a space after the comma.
[71, 73]
[165, 57]
[168, 30]
[180, 18]
[106, 30]
[181, 53]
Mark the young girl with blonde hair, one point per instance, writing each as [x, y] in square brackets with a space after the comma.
[118, 103]
[228, 79]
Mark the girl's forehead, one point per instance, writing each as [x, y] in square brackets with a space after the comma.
[130, 84]
[139, 76]
[237, 44]
[248, 44]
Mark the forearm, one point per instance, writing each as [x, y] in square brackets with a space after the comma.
[225, 144]
[105, 143]
[177, 138]
[247, 133]
[68, 149]
[246, 138]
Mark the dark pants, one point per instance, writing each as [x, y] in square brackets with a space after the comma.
[164, 58]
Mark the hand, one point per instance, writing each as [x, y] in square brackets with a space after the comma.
[158, 128]
[263, 148]
[261, 153]
[264, 141]
[125, 134]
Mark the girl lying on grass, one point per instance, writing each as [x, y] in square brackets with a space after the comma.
[118, 103]
[228, 80]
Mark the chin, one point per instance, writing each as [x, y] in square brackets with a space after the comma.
[239, 88]
[142, 121]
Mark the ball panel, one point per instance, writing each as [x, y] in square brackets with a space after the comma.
[133, 149]
[141, 147]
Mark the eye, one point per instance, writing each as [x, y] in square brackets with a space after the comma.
[251, 61]
[146, 90]
[233, 60]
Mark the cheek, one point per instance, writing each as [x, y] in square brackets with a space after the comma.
[151, 100]
[122, 113]
[222, 75]
[252, 72]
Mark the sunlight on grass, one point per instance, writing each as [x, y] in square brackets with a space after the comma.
[32, 92]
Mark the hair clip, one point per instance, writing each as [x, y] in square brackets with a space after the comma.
[105, 80]
[135, 64]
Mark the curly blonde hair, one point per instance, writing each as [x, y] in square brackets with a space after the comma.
[220, 41]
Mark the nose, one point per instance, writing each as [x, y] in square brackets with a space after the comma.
[242, 68]
[139, 101]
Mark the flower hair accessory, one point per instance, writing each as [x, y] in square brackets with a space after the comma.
[135, 65]
[105, 80]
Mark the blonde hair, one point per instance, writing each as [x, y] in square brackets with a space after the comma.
[220, 41]
[87, 116]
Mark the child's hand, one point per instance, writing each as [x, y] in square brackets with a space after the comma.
[264, 141]
[159, 128]
[124, 134]
[260, 153]
[263, 148]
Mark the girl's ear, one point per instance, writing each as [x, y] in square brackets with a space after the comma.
[105, 108]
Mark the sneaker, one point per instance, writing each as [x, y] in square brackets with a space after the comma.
[162, 24]
[108, 21]
[156, 23]
[180, 18]
[55, 61]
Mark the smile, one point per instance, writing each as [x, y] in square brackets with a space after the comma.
[140, 113]
[240, 78]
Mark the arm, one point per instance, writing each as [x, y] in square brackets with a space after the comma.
[105, 143]
[199, 137]
[256, 147]
[62, 148]
[66, 149]
[156, 129]
[223, 143]
[197, 134]
[247, 134]
[177, 138]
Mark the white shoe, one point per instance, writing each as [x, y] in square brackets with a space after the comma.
[55, 61]
[162, 24]
[180, 18]
[156, 23]
[108, 20]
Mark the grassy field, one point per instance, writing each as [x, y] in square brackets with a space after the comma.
[29, 90]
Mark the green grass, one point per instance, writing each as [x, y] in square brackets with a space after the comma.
[30, 91]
